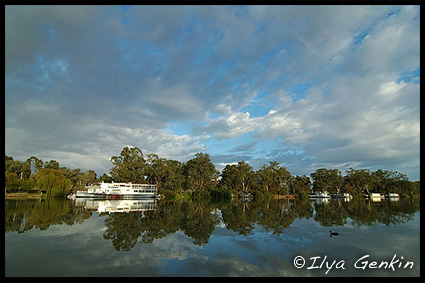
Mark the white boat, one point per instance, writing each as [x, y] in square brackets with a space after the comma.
[393, 196]
[319, 195]
[376, 197]
[119, 190]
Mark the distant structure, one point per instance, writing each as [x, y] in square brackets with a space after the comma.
[32, 167]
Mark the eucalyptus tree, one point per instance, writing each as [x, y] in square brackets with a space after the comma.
[329, 180]
[274, 178]
[129, 166]
[200, 172]
[52, 164]
[359, 181]
[240, 177]
[155, 169]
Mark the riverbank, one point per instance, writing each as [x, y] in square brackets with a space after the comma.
[23, 196]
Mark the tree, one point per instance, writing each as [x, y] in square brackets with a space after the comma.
[265, 177]
[129, 166]
[300, 184]
[53, 182]
[200, 172]
[52, 164]
[74, 176]
[329, 180]
[155, 169]
[17, 175]
[381, 180]
[415, 188]
[229, 177]
[238, 177]
[88, 177]
[174, 175]
[274, 177]
[245, 175]
[390, 182]
[21, 169]
[12, 182]
[284, 178]
[360, 181]
[105, 178]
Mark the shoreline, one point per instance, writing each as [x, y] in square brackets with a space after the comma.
[23, 196]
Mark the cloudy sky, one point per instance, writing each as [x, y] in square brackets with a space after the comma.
[307, 86]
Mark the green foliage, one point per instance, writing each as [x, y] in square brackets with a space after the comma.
[20, 169]
[53, 182]
[14, 184]
[200, 172]
[300, 184]
[274, 178]
[238, 178]
[164, 173]
[52, 164]
[105, 178]
[329, 180]
[129, 166]
[358, 181]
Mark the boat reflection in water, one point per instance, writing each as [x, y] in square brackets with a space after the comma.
[116, 205]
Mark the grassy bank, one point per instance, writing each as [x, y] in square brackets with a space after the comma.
[23, 195]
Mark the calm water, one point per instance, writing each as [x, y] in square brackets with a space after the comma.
[192, 238]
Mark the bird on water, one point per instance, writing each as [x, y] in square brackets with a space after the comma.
[333, 233]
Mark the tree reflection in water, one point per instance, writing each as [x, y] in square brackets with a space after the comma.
[197, 219]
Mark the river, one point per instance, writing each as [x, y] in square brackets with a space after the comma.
[83, 237]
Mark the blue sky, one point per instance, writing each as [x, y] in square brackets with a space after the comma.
[307, 86]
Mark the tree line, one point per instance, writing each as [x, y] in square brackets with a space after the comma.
[199, 177]
[33, 175]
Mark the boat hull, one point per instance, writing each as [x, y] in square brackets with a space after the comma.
[81, 194]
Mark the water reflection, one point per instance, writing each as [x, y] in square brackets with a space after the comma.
[116, 205]
[129, 221]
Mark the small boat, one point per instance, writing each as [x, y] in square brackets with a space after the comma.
[319, 195]
[119, 190]
[376, 197]
[71, 196]
[393, 196]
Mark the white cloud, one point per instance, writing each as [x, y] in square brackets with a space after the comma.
[88, 80]
[229, 125]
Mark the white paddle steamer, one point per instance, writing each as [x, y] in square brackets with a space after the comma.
[119, 190]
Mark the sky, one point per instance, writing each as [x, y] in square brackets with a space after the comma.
[307, 86]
